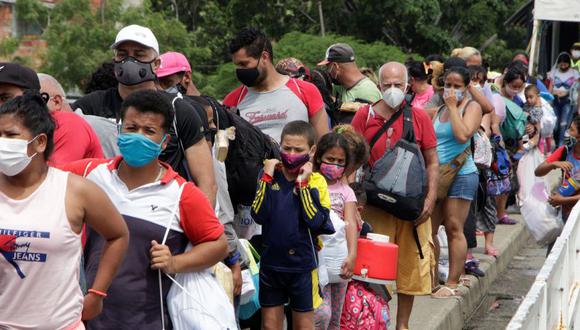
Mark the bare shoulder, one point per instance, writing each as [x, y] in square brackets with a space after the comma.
[79, 188]
[473, 106]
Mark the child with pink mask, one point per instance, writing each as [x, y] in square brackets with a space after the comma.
[331, 158]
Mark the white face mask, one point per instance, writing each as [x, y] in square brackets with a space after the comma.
[14, 155]
[393, 97]
[510, 91]
[576, 53]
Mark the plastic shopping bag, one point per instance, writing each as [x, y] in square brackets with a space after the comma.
[443, 265]
[526, 177]
[549, 120]
[542, 220]
[334, 251]
[224, 276]
[248, 287]
[250, 308]
[197, 301]
[244, 224]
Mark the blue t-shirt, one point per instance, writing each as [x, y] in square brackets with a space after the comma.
[448, 147]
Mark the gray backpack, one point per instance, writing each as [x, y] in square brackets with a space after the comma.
[397, 182]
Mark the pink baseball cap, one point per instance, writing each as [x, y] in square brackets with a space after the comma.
[172, 62]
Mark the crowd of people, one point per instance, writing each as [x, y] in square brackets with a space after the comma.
[104, 200]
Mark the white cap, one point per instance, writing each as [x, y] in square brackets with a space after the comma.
[138, 34]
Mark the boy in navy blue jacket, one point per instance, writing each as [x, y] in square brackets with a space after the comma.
[292, 205]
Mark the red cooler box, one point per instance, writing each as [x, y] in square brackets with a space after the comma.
[378, 258]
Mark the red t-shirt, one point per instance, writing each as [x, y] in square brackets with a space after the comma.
[422, 125]
[74, 139]
[556, 156]
[271, 111]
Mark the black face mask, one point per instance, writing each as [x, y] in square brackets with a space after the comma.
[130, 71]
[249, 77]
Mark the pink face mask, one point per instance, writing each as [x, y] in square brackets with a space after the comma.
[331, 171]
[294, 162]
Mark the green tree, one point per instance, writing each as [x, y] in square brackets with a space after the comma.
[79, 37]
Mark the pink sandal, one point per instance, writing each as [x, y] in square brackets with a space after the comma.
[505, 220]
[492, 252]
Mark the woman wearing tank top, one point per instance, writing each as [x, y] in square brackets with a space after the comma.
[42, 213]
[455, 125]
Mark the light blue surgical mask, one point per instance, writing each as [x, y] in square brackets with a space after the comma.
[458, 93]
[137, 149]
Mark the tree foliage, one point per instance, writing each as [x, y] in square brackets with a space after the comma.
[379, 30]
[80, 37]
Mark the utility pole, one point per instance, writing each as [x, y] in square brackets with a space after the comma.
[322, 32]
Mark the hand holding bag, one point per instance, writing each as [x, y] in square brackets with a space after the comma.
[196, 301]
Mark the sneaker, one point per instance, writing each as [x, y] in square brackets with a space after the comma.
[472, 268]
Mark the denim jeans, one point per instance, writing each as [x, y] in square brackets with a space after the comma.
[563, 110]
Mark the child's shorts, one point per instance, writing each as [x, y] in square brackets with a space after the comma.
[277, 288]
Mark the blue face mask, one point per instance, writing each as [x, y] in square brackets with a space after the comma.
[137, 149]
[458, 93]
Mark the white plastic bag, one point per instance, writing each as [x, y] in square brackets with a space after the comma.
[542, 220]
[334, 250]
[244, 224]
[526, 177]
[443, 265]
[196, 301]
[248, 287]
[483, 153]
[549, 120]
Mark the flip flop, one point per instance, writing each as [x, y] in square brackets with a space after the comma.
[492, 251]
[452, 292]
[505, 220]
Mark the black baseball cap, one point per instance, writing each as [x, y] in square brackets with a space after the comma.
[19, 75]
[339, 53]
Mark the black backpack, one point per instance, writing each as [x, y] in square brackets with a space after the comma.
[246, 153]
[397, 182]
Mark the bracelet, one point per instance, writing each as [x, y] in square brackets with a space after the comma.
[232, 259]
[98, 293]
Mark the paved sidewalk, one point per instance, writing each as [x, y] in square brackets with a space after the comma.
[451, 313]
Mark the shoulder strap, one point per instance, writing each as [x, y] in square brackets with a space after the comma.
[184, 162]
[174, 211]
[241, 96]
[180, 97]
[408, 131]
[384, 128]
[298, 88]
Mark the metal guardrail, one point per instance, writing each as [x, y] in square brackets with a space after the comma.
[553, 300]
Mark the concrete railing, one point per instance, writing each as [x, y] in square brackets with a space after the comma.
[553, 300]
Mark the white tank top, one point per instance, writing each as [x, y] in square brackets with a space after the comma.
[39, 259]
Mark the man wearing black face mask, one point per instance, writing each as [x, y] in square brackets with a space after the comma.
[136, 63]
[268, 99]
[349, 83]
